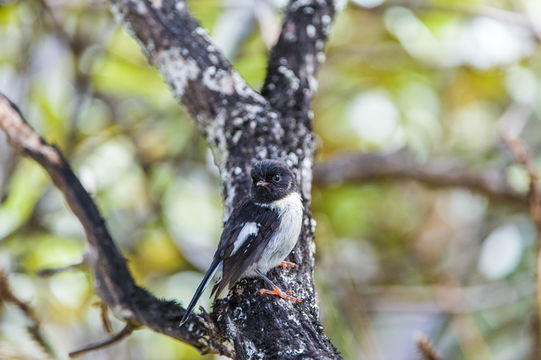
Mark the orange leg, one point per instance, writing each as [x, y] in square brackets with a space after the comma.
[275, 289]
[280, 293]
[286, 264]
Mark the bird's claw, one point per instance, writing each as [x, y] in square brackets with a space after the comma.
[286, 264]
[280, 293]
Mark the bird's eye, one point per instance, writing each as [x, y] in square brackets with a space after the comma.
[276, 178]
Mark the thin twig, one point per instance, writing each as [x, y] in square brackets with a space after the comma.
[402, 165]
[425, 347]
[104, 311]
[53, 271]
[7, 295]
[127, 330]
[524, 157]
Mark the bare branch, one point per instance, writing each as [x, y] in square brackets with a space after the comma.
[402, 165]
[53, 271]
[104, 312]
[524, 157]
[295, 59]
[7, 295]
[125, 332]
[115, 284]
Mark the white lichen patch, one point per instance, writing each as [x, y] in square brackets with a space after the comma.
[238, 121]
[311, 64]
[156, 4]
[311, 31]
[245, 91]
[290, 36]
[140, 7]
[202, 32]
[228, 200]
[261, 152]
[255, 112]
[214, 59]
[180, 5]
[177, 69]
[306, 176]
[216, 138]
[236, 136]
[308, 10]
[292, 159]
[300, 3]
[301, 349]
[339, 5]
[312, 83]
[320, 57]
[251, 350]
[313, 224]
[219, 80]
[289, 75]
[326, 20]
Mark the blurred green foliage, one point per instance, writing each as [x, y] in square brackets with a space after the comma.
[439, 78]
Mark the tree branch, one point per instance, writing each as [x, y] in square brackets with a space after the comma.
[7, 295]
[402, 165]
[125, 332]
[114, 282]
[523, 156]
[296, 57]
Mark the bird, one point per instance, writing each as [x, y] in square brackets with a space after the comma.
[258, 235]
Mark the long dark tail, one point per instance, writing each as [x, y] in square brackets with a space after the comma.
[204, 283]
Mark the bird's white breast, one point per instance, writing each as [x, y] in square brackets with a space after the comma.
[284, 239]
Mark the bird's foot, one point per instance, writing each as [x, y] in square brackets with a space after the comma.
[286, 264]
[276, 291]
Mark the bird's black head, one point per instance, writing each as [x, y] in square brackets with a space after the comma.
[271, 180]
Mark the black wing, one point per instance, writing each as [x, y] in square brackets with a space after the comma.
[235, 264]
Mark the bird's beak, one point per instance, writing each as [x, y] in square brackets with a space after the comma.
[262, 183]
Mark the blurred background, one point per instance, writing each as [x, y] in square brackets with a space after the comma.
[437, 78]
